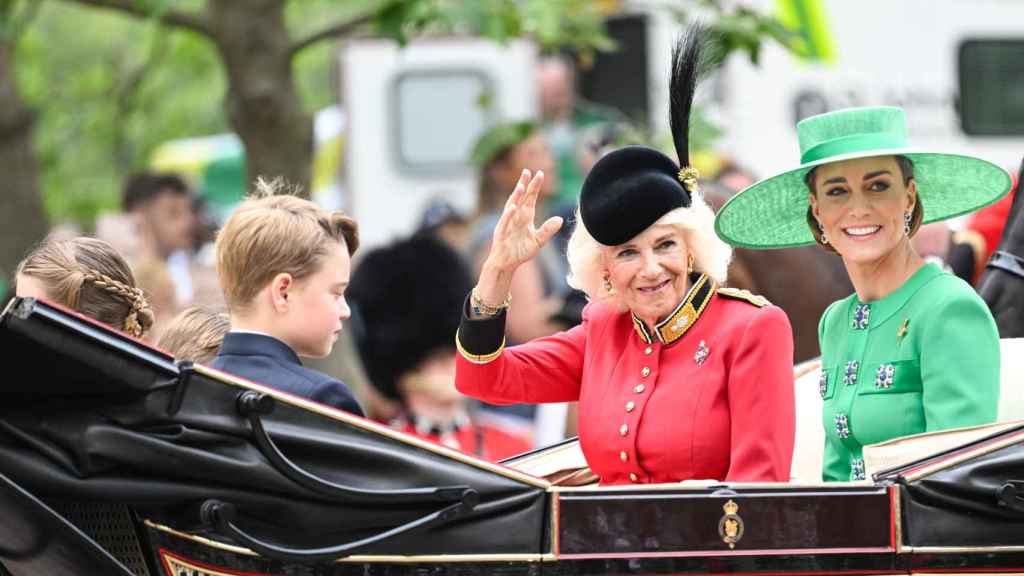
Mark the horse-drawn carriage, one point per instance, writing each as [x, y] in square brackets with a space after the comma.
[115, 459]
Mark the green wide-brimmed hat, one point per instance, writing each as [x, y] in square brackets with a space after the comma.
[772, 213]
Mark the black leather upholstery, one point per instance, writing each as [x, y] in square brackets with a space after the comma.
[104, 418]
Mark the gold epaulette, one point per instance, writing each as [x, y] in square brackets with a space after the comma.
[755, 299]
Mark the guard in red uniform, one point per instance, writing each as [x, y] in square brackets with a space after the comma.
[676, 377]
[406, 299]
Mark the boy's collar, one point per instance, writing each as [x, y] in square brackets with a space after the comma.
[249, 343]
[244, 331]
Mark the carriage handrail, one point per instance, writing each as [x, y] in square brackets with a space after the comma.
[222, 516]
[254, 405]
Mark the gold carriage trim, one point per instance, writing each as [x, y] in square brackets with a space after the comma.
[354, 559]
[683, 317]
[736, 293]
[478, 358]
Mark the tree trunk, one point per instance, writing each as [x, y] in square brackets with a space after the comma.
[22, 221]
[263, 105]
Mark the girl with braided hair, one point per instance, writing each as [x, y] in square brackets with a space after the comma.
[88, 276]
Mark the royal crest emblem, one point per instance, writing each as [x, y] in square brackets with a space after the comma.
[680, 323]
[730, 527]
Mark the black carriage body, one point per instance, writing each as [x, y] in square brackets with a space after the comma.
[116, 460]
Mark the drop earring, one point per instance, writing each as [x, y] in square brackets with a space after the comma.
[608, 285]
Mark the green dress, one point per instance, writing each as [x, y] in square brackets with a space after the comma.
[925, 357]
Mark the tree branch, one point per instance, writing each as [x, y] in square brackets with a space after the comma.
[173, 18]
[21, 21]
[332, 31]
[125, 93]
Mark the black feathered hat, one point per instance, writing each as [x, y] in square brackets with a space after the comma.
[629, 189]
[408, 299]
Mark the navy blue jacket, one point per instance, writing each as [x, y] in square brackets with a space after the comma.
[269, 361]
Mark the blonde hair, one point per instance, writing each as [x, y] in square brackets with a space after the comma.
[89, 276]
[154, 278]
[274, 232]
[697, 224]
[195, 334]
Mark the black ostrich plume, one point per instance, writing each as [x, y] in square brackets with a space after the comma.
[687, 65]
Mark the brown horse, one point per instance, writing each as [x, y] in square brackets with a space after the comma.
[1002, 283]
[801, 281]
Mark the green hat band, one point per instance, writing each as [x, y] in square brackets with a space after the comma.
[852, 144]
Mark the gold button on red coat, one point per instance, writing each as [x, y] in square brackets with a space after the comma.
[623, 456]
[645, 372]
[639, 388]
[632, 477]
[629, 406]
[648, 350]
[623, 430]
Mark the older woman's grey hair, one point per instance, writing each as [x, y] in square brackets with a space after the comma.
[696, 223]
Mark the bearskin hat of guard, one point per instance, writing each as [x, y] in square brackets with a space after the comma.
[406, 301]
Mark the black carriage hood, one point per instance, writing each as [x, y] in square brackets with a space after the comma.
[969, 496]
[95, 416]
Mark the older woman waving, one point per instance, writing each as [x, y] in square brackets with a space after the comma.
[677, 378]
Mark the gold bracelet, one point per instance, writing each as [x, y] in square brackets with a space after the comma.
[484, 309]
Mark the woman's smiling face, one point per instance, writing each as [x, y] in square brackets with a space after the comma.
[649, 273]
[861, 205]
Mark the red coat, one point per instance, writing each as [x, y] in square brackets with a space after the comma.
[716, 403]
[479, 440]
[989, 222]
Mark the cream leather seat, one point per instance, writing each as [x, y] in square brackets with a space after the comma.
[1011, 379]
[809, 441]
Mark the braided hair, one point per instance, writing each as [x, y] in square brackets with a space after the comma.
[89, 276]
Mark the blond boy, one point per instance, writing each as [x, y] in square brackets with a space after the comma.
[284, 265]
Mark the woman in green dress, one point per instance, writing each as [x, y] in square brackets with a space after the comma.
[914, 349]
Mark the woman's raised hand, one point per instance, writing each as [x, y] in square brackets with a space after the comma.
[516, 240]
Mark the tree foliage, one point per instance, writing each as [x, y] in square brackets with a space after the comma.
[109, 85]
[108, 90]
